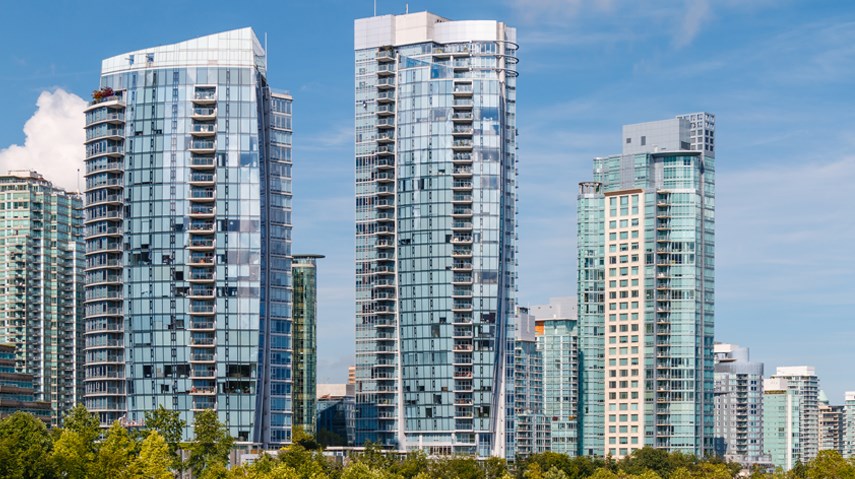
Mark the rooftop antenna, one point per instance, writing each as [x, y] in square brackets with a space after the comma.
[407, 8]
[78, 180]
[375, 8]
[266, 53]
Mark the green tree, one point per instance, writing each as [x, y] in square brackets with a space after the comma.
[25, 446]
[495, 468]
[170, 426]
[154, 459]
[115, 454]
[70, 456]
[79, 420]
[603, 473]
[830, 465]
[212, 445]
[555, 473]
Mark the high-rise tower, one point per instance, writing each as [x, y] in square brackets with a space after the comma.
[305, 316]
[188, 238]
[435, 232]
[41, 279]
[646, 264]
[738, 406]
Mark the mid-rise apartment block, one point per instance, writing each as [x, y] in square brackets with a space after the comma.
[435, 114]
[738, 406]
[558, 341]
[531, 434]
[41, 287]
[849, 425]
[782, 411]
[188, 238]
[646, 292]
[803, 381]
[831, 427]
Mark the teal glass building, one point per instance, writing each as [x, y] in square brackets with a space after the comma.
[435, 113]
[304, 270]
[41, 291]
[646, 291]
[558, 342]
[188, 238]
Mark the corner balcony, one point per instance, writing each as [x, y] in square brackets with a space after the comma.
[385, 83]
[385, 97]
[385, 150]
[95, 134]
[112, 150]
[385, 56]
[386, 138]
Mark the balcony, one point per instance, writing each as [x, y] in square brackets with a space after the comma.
[385, 70]
[95, 150]
[203, 146]
[202, 195]
[101, 133]
[385, 97]
[205, 96]
[201, 276]
[385, 150]
[460, 279]
[385, 56]
[461, 225]
[204, 113]
[463, 90]
[201, 227]
[201, 293]
[201, 244]
[203, 130]
[462, 131]
[105, 116]
[203, 162]
[385, 110]
[202, 211]
[461, 212]
[461, 253]
[384, 124]
[201, 325]
[202, 308]
[385, 138]
[460, 145]
[385, 83]
[463, 104]
[458, 238]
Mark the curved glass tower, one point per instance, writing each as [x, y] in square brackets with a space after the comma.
[435, 233]
[188, 236]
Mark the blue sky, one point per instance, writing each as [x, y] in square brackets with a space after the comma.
[778, 74]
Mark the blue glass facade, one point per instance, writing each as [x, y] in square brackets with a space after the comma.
[190, 197]
[435, 243]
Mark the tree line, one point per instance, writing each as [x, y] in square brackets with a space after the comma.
[81, 450]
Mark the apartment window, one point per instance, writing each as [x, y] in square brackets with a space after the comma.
[643, 140]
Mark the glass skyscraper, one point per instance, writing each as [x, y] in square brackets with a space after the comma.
[558, 341]
[41, 287]
[188, 238]
[304, 269]
[782, 411]
[645, 289]
[435, 114]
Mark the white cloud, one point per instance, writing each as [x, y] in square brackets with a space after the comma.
[697, 12]
[53, 143]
